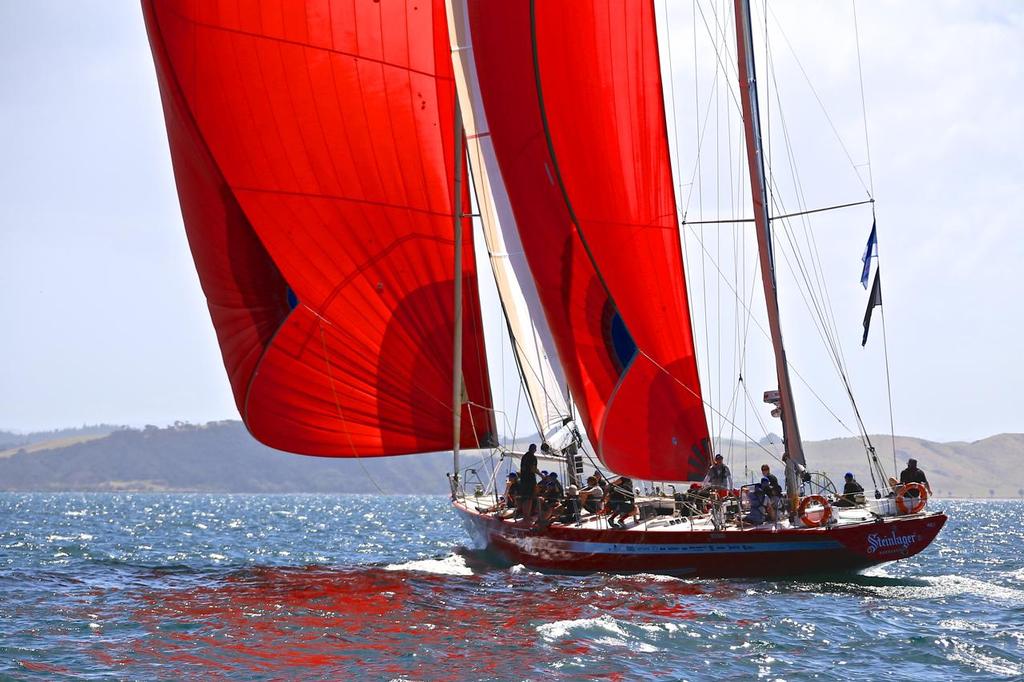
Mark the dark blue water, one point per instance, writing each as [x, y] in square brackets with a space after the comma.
[343, 587]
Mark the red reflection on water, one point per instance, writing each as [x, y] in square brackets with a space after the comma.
[38, 667]
[322, 622]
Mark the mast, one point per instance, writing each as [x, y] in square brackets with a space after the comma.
[758, 190]
[457, 344]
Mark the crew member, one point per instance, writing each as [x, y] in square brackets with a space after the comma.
[914, 475]
[719, 475]
[620, 501]
[758, 503]
[766, 472]
[850, 489]
[528, 481]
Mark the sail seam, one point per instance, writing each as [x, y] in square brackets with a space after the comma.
[554, 159]
[306, 46]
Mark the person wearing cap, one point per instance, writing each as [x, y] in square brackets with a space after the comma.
[550, 493]
[914, 475]
[718, 475]
[850, 491]
[553, 489]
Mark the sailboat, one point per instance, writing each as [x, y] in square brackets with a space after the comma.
[330, 160]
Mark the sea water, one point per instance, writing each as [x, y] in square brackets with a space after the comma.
[148, 586]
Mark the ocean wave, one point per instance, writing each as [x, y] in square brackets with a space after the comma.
[450, 565]
[601, 630]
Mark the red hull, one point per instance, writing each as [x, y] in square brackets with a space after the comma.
[730, 553]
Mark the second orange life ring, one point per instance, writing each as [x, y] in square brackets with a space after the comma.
[814, 519]
[918, 502]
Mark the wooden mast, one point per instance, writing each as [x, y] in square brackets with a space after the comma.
[758, 190]
[457, 344]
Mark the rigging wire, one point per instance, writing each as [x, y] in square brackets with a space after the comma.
[863, 103]
[337, 406]
[807, 270]
[828, 328]
[821, 104]
[700, 203]
[871, 180]
[764, 332]
[815, 256]
[699, 397]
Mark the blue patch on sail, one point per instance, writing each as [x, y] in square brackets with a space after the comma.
[621, 342]
[293, 300]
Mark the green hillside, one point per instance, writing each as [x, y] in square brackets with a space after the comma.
[223, 457]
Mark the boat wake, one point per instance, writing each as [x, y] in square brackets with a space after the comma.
[957, 585]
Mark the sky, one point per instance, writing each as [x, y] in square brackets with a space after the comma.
[104, 320]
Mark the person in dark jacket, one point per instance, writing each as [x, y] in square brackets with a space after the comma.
[850, 490]
[776, 489]
[620, 501]
[914, 475]
[528, 481]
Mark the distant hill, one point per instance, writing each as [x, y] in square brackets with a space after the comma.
[10, 441]
[223, 457]
[991, 467]
[216, 457]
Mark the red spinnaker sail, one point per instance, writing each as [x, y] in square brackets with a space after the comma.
[313, 149]
[572, 92]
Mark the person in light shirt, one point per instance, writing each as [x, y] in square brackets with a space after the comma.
[592, 496]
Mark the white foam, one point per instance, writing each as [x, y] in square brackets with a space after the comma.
[958, 584]
[966, 625]
[972, 656]
[878, 571]
[450, 565]
[562, 628]
[520, 569]
[656, 578]
[1017, 575]
[65, 538]
[613, 634]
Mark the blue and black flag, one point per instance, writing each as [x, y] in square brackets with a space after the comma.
[873, 300]
[870, 251]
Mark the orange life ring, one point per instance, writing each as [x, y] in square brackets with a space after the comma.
[809, 520]
[919, 502]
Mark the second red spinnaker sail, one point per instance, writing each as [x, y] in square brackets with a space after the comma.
[573, 96]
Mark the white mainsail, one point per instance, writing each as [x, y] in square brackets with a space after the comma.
[531, 338]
